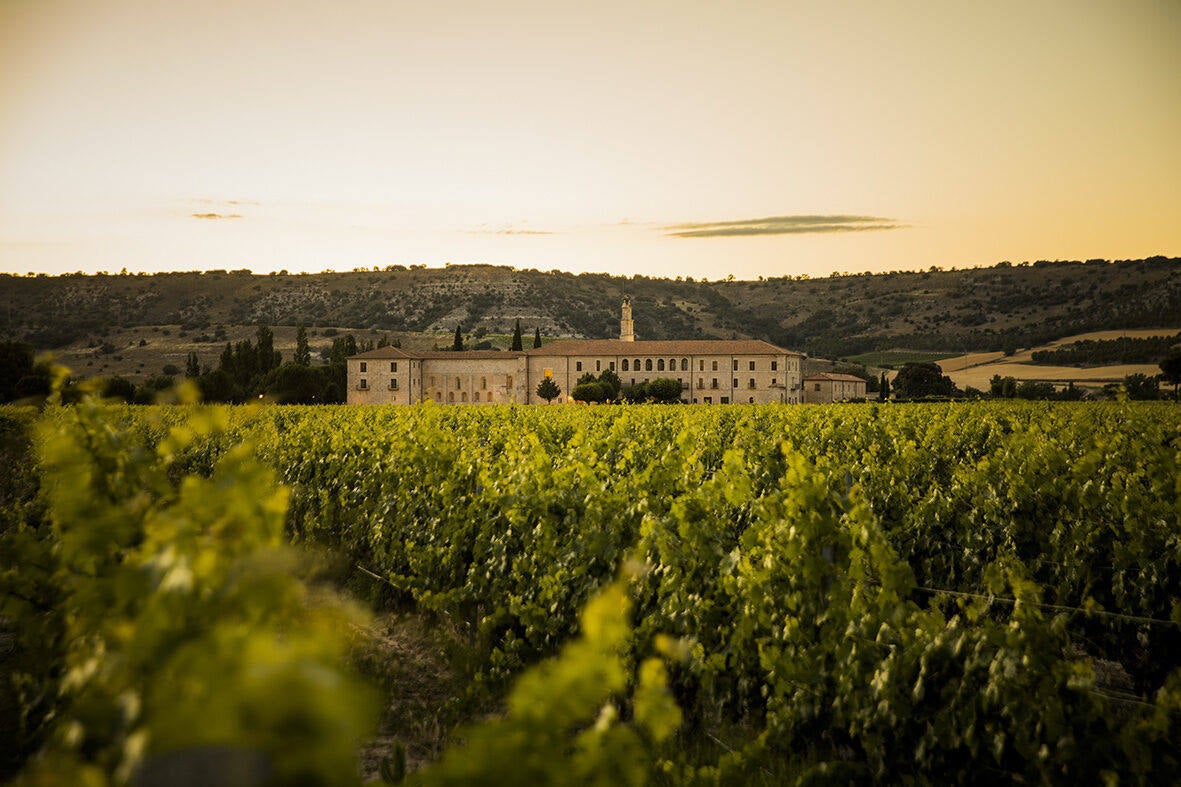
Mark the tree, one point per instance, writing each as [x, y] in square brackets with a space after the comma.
[1141, 386]
[548, 390]
[457, 345]
[611, 380]
[664, 389]
[119, 388]
[516, 345]
[884, 388]
[192, 365]
[589, 392]
[917, 380]
[537, 337]
[1171, 370]
[303, 355]
[265, 354]
[16, 361]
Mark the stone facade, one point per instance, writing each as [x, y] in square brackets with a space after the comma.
[710, 372]
[829, 387]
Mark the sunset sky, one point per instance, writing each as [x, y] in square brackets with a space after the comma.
[678, 138]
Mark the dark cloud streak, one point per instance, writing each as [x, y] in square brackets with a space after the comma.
[780, 225]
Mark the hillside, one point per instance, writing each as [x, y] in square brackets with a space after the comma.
[984, 309]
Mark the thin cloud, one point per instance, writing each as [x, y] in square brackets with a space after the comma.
[780, 225]
[512, 232]
[217, 215]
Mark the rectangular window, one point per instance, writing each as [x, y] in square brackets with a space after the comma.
[735, 385]
[508, 381]
[774, 366]
[364, 384]
[393, 383]
[432, 381]
[715, 366]
[752, 382]
[752, 366]
[598, 366]
[612, 366]
[633, 381]
[364, 367]
[735, 364]
[393, 366]
[577, 367]
[701, 366]
[817, 386]
[725, 400]
[714, 384]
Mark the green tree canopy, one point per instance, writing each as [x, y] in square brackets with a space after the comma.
[548, 390]
[517, 346]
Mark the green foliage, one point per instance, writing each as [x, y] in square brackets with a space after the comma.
[171, 627]
[567, 720]
[664, 389]
[920, 380]
[516, 345]
[1108, 352]
[548, 390]
[536, 338]
[457, 344]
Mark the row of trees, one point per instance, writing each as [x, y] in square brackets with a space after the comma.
[517, 344]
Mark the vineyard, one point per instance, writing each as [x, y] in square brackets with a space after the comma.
[970, 593]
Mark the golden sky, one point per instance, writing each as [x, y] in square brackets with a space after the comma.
[663, 138]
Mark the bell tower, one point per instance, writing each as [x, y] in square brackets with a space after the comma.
[627, 331]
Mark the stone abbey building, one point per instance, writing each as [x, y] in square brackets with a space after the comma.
[710, 372]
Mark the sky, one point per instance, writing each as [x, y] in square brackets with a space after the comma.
[671, 139]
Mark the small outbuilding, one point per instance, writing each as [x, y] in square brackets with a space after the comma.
[828, 387]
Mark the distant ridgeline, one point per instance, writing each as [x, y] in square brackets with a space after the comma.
[1109, 352]
[1001, 307]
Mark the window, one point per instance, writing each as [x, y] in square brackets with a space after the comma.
[636, 365]
[735, 385]
[752, 400]
[660, 365]
[715, 366]
[774, 366]
[578, 366]
[393, 366]
[549, 372]
[633, 381]
[752, 383]
[451, 396]
[701, 366]
[672, 364]
[647, 364]
[465, 396]
[364, 366]
[508, 381]
[725, 400]
[752, 366]
[476, 396]
[817, 388]
[625, 365]
[714, 384]
[363, 385]
[432, 381]
[483, 384]
[700, 382]
[457, 384]
[393, 383]
[735, 364]
[598, 366]
[684, 364]
[772, 382]
[612, 366]
[708, 400]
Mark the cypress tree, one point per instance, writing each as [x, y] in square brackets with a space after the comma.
[192, 365]
[537, 337]
[517, 346]
[458, 343]
[303, 355]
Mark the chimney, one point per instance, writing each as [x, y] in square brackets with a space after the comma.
[627, 330]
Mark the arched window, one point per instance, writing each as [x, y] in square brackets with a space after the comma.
[464, 396]
[451, 396]
[672, 364]
[625, 365]
[636, 365]
[660, 365]
[647, 364]
[684, 364]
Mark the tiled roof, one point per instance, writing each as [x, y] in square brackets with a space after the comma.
[608, 347]
[668, 347]
[833, 377]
